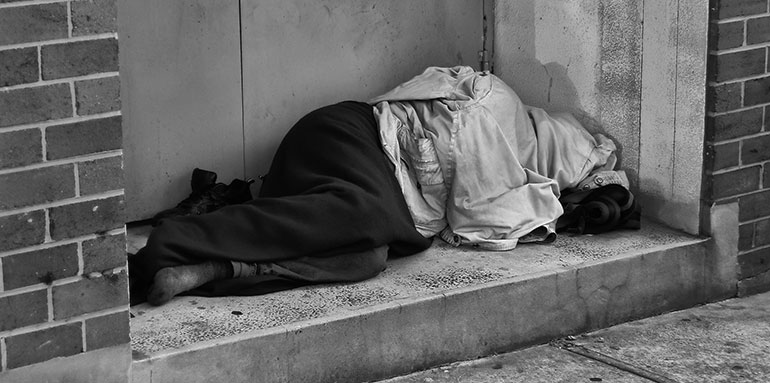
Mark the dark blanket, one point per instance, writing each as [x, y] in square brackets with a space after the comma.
[327, 209]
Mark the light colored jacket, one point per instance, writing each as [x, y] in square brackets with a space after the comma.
[475, 164]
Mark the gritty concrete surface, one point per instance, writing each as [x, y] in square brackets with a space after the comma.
[727, 341]
[440, 306]
[188, 320]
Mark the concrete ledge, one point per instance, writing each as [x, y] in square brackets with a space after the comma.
[440, 306]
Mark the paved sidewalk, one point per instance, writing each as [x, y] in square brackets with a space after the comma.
[727, 341]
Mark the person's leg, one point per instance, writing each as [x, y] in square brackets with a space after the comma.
[330, 191]
[171, 281]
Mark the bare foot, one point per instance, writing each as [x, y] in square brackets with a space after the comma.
[172, 281]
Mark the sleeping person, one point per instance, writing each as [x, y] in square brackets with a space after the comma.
[451, 153]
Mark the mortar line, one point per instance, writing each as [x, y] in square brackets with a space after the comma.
[69, 241]
[73, 98]
[69, 19]
[49, 302]
[81, 260]
[63, 202]
[3, 355]
[100, 36]
[41, 82]
[19, 4]
[2, 282]
[52, 324]
[83, 334]
[47, 230]
[610, 361]
[64, 161]
[76, 171]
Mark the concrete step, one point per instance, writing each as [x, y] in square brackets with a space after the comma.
[443, 305]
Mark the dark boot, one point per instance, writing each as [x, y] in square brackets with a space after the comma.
[207, 195]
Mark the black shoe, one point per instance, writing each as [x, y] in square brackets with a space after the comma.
[207, 196]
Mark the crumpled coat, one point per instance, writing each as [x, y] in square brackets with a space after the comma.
[475, 164]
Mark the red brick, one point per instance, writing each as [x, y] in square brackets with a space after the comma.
[723, 9]
[88, 217]
[90, 295]
[23, 310]
[18, 66]
[757, 91]
[95, 16]
[756, 149]
[762, 233]
[735, 182]
[727, 35]
[21, 147]
[101, 175]
[724, 98]
[723, 156]
[36, 186]
[753, 263]
[107, 331]
[40, 266]
[33, 23]
[86, 137]
[28, 105]
[22, 230]
[97, 96]
[79, 58]
[42, 345]
[104, 253]
[753, 206]
[736, 65]
[758, 30]
[734, 125]
[746, 237]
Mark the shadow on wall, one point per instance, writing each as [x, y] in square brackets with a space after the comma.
[554, 56]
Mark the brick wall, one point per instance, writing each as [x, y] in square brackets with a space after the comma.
[63, 284]
[738, 129]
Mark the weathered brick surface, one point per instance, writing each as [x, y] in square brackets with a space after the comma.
[94, 16]
[762, 233]
[42, 345]
[725, 97]
[97, 96]
[753, 206]
[86, 137]
[36, 186]
[757, 30]
[104, 253]
[28, 105]
[89, 295]
[23, 310]
[736, 65]
[756, 149]
[21, 147]
[746, 236]
[734, 125]
[723, 9]
[22, 230]
[86, 217]
[79, 58]
[107, 331]
[40, 266]
[728, 35]
[735, 182]
[33, 23]
[724, 155]
[757, 91]
[18, 66]
[101, 175]
[754, 262]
